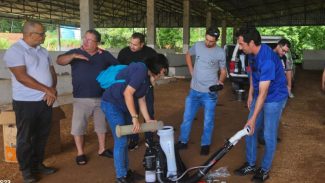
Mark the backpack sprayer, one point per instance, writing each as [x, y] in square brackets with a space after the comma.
[163, 163]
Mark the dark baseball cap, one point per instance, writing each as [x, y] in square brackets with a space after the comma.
[213, 32]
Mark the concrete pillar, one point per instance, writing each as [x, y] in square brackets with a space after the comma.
[186, 25]
[151, 27]
[86, 15]
[209, 18]
[224, 33]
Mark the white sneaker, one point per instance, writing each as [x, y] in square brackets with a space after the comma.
[291, 95]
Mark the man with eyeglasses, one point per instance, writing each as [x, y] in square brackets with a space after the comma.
[209, 59]
[137, 51]
[86, 63]
[282, 48]
[34, 92]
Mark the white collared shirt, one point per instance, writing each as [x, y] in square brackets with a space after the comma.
[37, 61]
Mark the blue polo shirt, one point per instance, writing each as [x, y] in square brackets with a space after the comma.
[84, 73]
[267, 66]
[136, 76]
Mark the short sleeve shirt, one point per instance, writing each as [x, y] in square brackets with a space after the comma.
[84, 73]
[207, 63]
[136, 76]
[267, 66]
[37, 62]
[287, 63]
[126, 56]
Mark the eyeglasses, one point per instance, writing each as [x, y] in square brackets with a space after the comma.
[42, 34]
[283, 50]
[89, 40]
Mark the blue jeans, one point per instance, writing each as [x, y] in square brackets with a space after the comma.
[269, 117]
[260, 134]
[117, 115]
[193, 102]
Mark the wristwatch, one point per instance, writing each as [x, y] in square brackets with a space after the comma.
[135, 116]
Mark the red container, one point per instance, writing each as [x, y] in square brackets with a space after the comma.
[232, 66]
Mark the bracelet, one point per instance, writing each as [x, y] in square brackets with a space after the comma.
[135, 116]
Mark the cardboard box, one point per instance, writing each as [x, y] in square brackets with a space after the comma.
[8, 122]
[9, 142]
[7, 118]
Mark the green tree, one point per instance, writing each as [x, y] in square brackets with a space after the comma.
[11, 25]
[4, 43]
[170, 38]
[117, 37]
[197, 34]
[301, 37]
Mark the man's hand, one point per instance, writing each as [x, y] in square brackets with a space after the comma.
[136, 125]
[50, 96]
[49, 100]
[251, 123]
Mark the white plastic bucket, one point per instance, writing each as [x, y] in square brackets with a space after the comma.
[167, 144]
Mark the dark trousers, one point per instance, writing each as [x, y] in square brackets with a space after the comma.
[33, 121]
[150, 106]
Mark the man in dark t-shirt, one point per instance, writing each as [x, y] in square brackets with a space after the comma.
[137, 51]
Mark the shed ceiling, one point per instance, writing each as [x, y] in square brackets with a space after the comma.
[132, 13]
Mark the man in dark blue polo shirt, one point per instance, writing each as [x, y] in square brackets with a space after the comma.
[86, 63]
[267, 96]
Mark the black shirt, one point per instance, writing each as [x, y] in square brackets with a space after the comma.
[126, 56]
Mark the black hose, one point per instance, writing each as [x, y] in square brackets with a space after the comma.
[161, 178]
[201, 172]
[208, 164]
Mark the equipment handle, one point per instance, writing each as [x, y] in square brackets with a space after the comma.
[234, 139]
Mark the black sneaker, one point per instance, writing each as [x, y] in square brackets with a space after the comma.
[205, 150]
[245, 169]
[42, 169]
[122, 180]
[180, 145]
[260, 176]
[133, 145]
[29, 179]
[134, 176]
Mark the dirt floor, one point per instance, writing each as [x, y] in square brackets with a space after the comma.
[300, 156]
